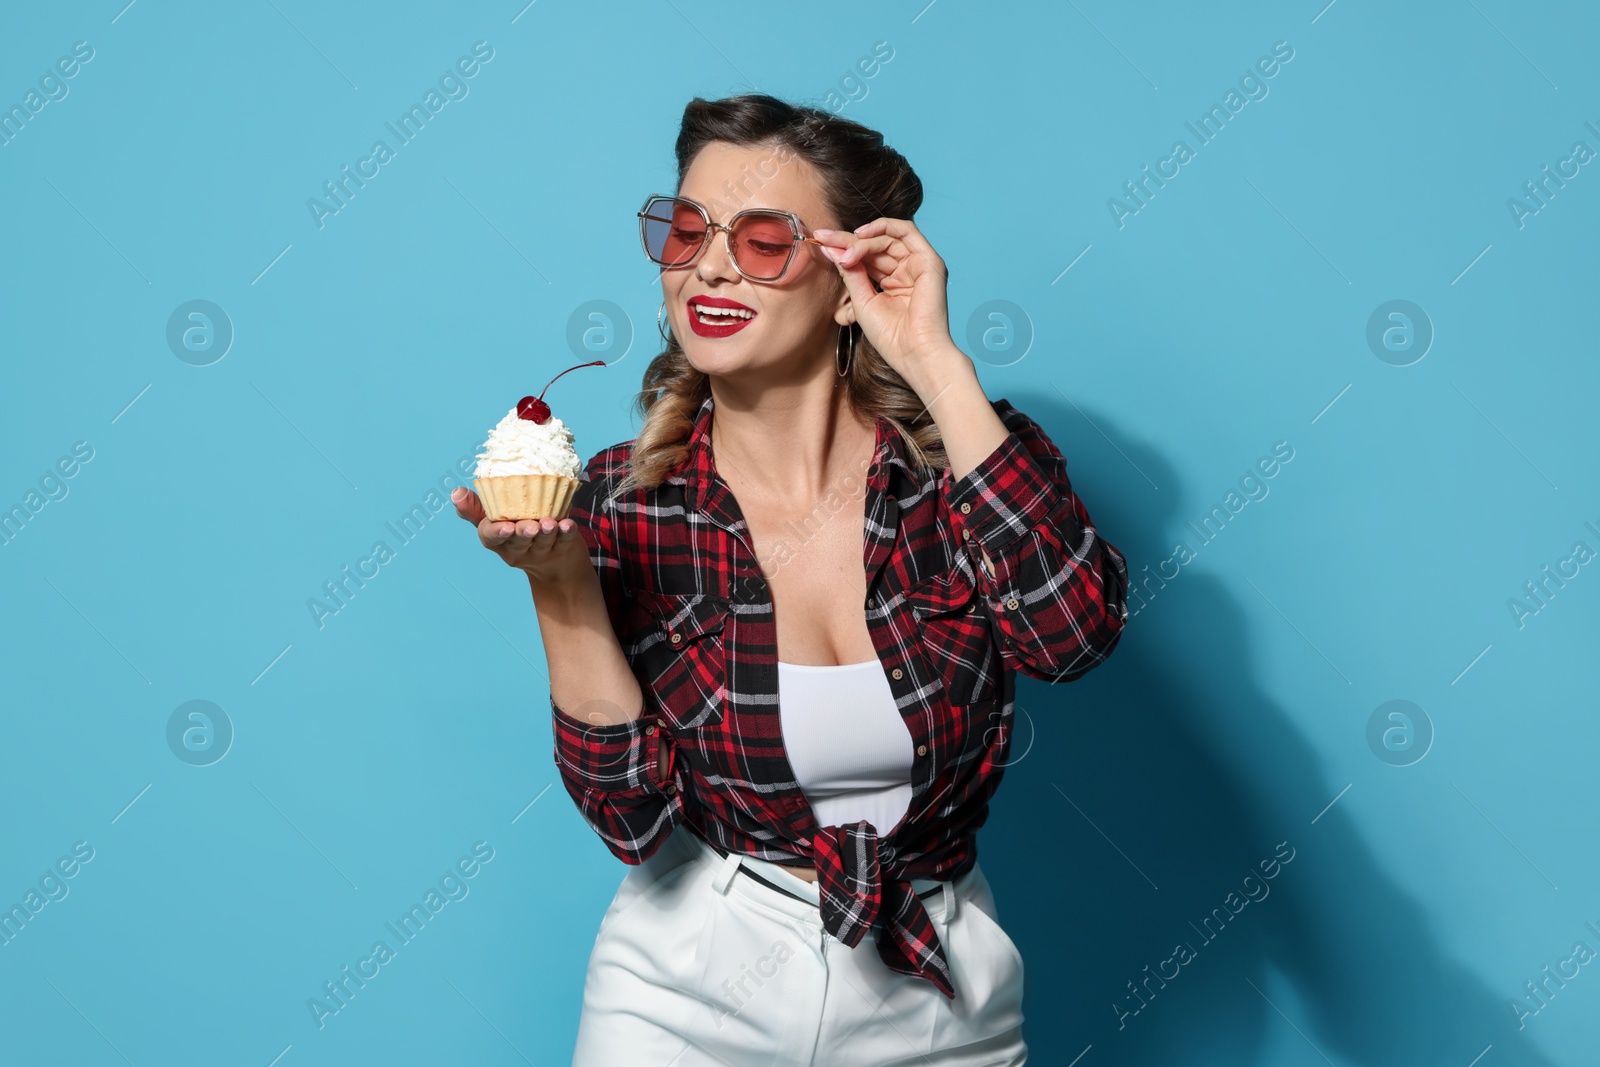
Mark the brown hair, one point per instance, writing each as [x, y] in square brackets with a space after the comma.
[862, 179]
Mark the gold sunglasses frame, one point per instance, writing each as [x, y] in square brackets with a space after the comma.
[795, 226]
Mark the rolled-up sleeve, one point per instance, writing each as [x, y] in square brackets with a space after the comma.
[614, 773]
[1056, 590]
[623, 776]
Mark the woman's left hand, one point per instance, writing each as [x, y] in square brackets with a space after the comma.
[908, 320]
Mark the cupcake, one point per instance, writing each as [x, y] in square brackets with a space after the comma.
[528, 468]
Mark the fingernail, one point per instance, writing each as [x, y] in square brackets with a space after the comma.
[822, 233]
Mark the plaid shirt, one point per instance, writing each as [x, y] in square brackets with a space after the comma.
[694, 615]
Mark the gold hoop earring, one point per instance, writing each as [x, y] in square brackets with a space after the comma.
[850, 356]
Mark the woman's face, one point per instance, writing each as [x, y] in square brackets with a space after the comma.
[795, 320]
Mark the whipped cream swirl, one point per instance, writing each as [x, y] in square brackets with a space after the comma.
[522, 446]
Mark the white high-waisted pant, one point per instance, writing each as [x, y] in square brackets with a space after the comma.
[697, 965]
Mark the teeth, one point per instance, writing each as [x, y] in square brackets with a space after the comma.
[722, 313]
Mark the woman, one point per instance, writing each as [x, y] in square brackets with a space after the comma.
[859, 529]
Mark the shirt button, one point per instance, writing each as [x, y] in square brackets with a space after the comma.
[966, 534]
[897, 674]
[670, 787]
[971, 608]
[650, 729]
[922, 750]
[1012, 603]
[965, 508]
[872, 601]
[677, 639]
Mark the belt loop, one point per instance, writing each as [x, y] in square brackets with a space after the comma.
[725, 873]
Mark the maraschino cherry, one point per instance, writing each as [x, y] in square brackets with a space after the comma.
[534, 409]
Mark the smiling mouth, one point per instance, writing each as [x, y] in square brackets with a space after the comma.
[711, 316]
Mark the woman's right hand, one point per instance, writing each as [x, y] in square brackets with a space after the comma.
[551, 552]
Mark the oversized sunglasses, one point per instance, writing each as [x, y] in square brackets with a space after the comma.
[761, 241]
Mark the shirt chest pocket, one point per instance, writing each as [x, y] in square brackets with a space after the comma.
[677, 646]
[954, 637]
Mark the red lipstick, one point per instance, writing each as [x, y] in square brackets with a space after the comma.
[718, 325]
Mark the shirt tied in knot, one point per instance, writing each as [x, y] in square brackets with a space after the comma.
[855, 896]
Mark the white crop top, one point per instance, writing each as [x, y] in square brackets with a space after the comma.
[850, 749]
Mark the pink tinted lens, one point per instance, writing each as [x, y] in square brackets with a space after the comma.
[762, 244]
[673, 232]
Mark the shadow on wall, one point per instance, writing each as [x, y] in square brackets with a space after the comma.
[1197, 776]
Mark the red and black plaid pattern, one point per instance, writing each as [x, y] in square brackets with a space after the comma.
[694, 615]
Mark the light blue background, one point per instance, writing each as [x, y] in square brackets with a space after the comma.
[1228, 314]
